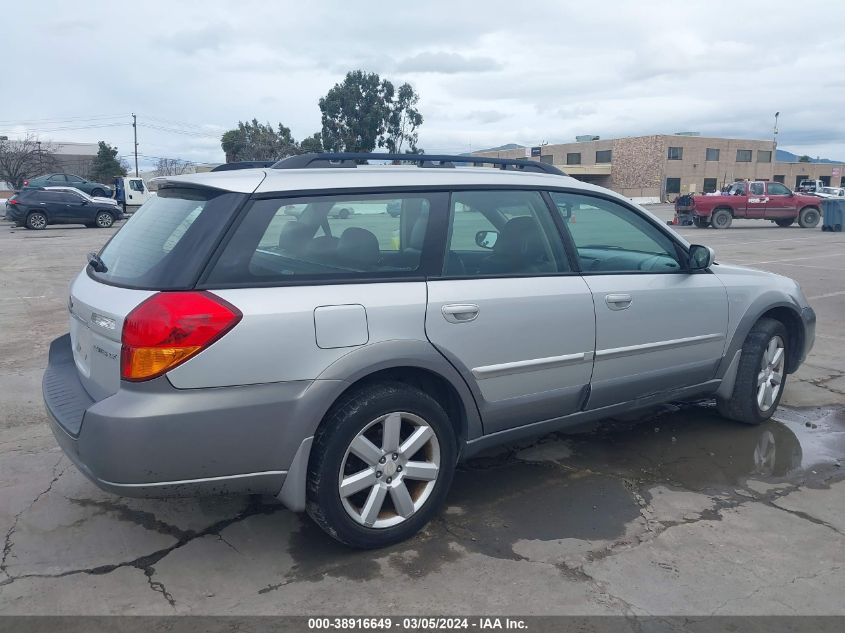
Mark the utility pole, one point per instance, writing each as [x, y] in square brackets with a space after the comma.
[775, 144]
[135, 133]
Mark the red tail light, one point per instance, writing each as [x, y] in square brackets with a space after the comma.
[25, 183]
[169, 328]
[13, 201]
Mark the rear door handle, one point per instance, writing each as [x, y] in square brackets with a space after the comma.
[459, 312]
[618, 301]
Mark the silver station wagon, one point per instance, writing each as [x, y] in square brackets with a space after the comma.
[241, 335]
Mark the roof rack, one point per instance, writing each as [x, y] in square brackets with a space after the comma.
[353, 159]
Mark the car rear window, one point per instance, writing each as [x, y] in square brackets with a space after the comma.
[328, 237]
[166, 242]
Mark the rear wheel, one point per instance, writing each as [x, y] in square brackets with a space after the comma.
[104, 219]
[809, 218]
[36, 221]
[761, 375]
[343, 214]
[721, 219]
[785, 222]
[381, 465]
[98, 193]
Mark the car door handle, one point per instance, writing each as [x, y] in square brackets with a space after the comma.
[618, 301]
[459, 312]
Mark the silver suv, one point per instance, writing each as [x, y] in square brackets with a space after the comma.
[240, 335]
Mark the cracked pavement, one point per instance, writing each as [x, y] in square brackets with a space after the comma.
[674, 512]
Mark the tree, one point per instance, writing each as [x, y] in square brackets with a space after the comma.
[106, 165]
[355, 112]
[804, 159]
[173, 167]
[403, 121]
[312, 143]
[258, 141]
[24, 159]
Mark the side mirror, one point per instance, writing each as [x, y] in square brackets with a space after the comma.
[84, 203]
[486, 239]
[701, 257]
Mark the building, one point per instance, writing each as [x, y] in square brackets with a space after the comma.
[662, 166]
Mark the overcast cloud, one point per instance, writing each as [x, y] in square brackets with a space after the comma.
[488, 72]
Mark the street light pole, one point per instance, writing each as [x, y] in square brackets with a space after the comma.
[775, 144]
[135, 133]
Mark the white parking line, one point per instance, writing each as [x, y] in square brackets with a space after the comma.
[794, 259]
[838, 293]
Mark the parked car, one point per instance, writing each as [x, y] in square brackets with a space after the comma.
[830, 192]
[96, 189]
[750, 200]
[219, 345]
[77, 192]
[36, 208]
[810, 186]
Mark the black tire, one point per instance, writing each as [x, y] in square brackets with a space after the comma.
[103, 220]
[343, 214]
[347, 418]
[721, 219]
[98, 193]
[785, 222]
[36, 221]
[742, 406]
[809, 218]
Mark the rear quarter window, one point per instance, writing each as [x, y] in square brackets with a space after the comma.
[166, 242]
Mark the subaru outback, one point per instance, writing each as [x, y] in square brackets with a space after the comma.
[237, 336]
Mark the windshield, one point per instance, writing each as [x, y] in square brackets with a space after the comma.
[166, 242]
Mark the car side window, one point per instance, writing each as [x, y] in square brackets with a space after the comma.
[611, 238]
[757, 188]
[777, 189]
[328, 237]
[500, 233]
[137, 185]
[57, 178]
[74, 179]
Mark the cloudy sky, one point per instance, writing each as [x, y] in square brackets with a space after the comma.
[488, 72]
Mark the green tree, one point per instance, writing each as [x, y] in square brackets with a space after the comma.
[258, 141]
[106, 166]
[355, 112]
[313, 143]
[804, 159]
[403, 121]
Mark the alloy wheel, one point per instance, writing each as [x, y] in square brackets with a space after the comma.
[37, 221]
[104, 220]
[770, 378]
[389, 470]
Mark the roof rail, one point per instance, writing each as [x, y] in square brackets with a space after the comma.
[353, 159]
[244, 164]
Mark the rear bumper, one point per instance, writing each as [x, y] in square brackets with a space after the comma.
[151, 439]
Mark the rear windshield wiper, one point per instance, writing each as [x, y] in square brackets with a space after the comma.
[96, 263]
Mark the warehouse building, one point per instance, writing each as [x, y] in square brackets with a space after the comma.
[660, 167]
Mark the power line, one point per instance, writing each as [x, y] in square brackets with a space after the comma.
[96, 117]
[65, 128]
[176, 131]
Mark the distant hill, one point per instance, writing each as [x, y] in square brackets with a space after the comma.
[501, 148]
[789, 157]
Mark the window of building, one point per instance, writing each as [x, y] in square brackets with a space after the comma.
[764, 156]
[573, 158]
[743, 155]
[710, 184]
[673, 185]
[825, 180]
[712, 153]
[547, 158]
[676, 153]
[780, 178]
[604, 156]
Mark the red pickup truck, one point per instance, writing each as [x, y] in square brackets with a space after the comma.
[755, 199]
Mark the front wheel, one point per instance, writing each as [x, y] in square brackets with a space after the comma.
[761, 375]
[721, 219]
[809, 218]
[104, 219]
[381, 465]
[785, 222]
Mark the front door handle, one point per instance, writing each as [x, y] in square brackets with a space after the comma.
[618, 301]
[459, 312]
